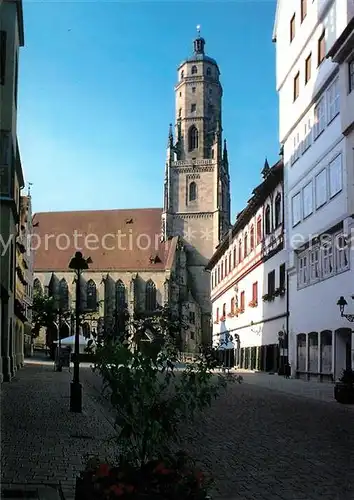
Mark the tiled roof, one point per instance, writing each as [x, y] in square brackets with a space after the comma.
[114, 239]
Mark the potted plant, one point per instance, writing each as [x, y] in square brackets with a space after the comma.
[152, 402]
[253, 303]
[344, 388]
[268, 297]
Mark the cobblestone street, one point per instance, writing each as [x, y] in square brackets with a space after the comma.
[259, 443]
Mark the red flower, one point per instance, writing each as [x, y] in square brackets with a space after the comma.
[117, 489]
[159, 467]
[166, 471]
[103, 470]
[199, 476]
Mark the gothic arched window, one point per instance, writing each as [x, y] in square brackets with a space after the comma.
[277, 210]
[37, 287]
[267, 220]
[239, 251]
[208, 72]
[120, 295]
[182, 74]
[63, 295]
[150, 296]
[192, 191]
[235, 255]
[245, 243]
[252, 238]
[259, 230]
[91, 296]
[193, 138]
[194, 70]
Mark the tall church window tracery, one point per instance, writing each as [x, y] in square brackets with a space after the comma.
[91, 296]
[120, 295]
[193, 138]
[194, 70]
[63, 295]
[150, 296]
[192, 191]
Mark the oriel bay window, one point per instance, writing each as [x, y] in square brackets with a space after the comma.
[315, 264]
[322, 261]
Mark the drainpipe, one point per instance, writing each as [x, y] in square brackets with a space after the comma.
[287, 312]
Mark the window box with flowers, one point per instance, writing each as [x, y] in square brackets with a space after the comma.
[239, 310]
[268, 297]
[279, 292]
[222, 318]
[231, 315]
[253, 303]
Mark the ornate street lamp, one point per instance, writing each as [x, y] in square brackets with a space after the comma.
[78, 263]
[342, 303]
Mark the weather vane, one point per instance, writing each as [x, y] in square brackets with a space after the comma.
[198, 29]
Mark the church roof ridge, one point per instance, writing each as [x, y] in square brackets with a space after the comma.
[93, 210]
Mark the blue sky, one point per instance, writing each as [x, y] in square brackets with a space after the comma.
[96, 96]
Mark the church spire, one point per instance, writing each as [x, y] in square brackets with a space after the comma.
[199, 43]
[170, 136]
[266, 169]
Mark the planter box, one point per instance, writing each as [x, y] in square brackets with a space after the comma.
[84, 491]
[344, 393]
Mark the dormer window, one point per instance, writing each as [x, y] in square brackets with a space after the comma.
[277, 210]
[194, 70]
[267, 220]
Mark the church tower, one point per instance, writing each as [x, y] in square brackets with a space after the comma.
[197, 183]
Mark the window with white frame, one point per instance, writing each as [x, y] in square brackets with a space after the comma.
[303, 277]
[307, 135]
[327, 257]
[315, 264]
[319, 117]
[333, 100]
[342, 252]
[321, 188]
[335, 176]
[297, 146]
[307, 197]
[296, 209]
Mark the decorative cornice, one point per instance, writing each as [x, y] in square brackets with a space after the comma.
[187, 163]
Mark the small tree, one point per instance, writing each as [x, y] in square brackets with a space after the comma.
[44, 312]
[151, 398]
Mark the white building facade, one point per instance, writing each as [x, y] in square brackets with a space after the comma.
[248, 281]
[317, 185]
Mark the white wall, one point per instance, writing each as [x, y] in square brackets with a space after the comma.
[306, 153]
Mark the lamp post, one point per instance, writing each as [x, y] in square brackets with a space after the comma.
[342, 303]
[78, 263]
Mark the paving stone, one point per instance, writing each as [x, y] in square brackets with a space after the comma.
[262, 440]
